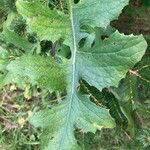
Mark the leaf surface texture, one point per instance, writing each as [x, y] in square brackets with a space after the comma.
[103, 64]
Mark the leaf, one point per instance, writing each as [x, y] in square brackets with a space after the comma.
[37, 70]
[10, 36]
[108, 61]
[4, 61]
[52, 24]
[103, 64]
[15, 39]
[83, 114]
[44, 21]
[107, 99]
[133, 92]
[97, 13]
[3, 58]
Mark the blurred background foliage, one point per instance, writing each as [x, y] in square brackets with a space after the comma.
[129, 104]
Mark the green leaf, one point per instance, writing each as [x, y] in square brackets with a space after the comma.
[108, 61]
[133, 93]
[48, 24]
[10, 36]
[4, 61]
[52, 24]
[37, 70]
[97, 12]
[83, 114]
[103, 64]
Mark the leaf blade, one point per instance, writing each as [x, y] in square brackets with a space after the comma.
[74, 107]
[37, 70]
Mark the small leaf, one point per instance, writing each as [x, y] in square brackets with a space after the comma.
[10, 36]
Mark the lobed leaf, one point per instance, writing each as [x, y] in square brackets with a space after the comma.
[83, 114]
[108, 61]
[37, 70]
[103, 64]
[48, 24]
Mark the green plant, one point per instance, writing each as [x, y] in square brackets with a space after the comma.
[100, 57]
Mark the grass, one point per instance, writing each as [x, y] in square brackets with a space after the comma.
[15, 131]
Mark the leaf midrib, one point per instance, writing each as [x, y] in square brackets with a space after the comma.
[73, 60]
